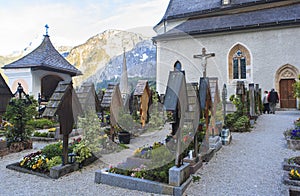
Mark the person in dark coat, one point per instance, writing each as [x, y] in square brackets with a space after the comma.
[273, 99]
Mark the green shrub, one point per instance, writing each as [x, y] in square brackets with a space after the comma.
[19, 113]
[242, 124]
[52, 150]
[82, 152]
[41, 123]
[57, 160]
[40, 134]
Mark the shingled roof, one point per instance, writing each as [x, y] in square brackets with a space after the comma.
[45, 57]
[55, 103]
[87, 97]
[140, 87]
[204, 17]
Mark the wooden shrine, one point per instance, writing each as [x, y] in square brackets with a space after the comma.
[64, 103]
[88, 97]
[112, 102]
[142, 91]
[5, 94]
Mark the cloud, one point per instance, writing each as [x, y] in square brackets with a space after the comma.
[72, 22]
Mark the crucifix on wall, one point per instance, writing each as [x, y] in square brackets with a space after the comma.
[204, 58]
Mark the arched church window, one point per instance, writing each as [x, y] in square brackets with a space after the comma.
[177, 66]
[239, 65]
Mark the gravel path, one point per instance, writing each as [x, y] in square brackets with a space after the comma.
[250, 165]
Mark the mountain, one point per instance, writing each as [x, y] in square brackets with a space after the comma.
[99, 53]
[101, 57]
[140, 61]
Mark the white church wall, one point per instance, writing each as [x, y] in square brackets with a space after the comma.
[269, 49]
[39, 74]
[22, 76]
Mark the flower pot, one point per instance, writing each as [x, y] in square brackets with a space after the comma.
[124, 137]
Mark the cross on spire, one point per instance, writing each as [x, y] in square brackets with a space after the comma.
[47, 27]
[204, 58]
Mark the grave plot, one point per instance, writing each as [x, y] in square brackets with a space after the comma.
[112, 104]
[161, 161]
[20, 110]
[184, 148]
[60, 158]
[248, 105]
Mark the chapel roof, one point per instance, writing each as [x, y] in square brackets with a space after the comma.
[45, 57]
[187, 8]
[261, 18]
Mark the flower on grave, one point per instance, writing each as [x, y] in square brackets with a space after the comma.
[53, 129]
[295, 134]
[34, 161]
[294, 174]
[145, 151]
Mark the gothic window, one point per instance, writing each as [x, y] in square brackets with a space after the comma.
[239, 66]
[177, 66]
[239, 63]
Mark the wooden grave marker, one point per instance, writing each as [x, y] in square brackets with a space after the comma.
[142, 91]
[65, 104]
[112, 102]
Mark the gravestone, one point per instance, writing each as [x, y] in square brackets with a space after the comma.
[175, 103]
[224, 100]
[191, 127]
[252, 99]
[205, 110]
[64, 103]
[226, 136]
[143, 93]
[216, 127]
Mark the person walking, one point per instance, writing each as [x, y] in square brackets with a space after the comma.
[273, 99]
[266, 103]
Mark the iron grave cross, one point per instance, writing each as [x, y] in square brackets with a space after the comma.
[204, 58]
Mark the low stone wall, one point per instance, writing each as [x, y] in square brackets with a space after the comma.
[293, 144]
[288, 167]
[104, 177]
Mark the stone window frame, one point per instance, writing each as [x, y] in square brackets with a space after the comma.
[246, 54]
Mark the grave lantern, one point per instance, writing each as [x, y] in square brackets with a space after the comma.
[71, 158]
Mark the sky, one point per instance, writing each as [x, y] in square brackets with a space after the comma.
[72, 22]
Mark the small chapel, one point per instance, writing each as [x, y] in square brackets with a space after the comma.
[254, 41]
[40, 71]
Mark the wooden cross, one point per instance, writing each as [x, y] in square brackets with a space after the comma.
[204, 58]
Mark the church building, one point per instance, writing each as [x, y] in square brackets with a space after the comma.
[40, 71]
[255, 41]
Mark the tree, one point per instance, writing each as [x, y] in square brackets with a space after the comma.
[18, 113]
